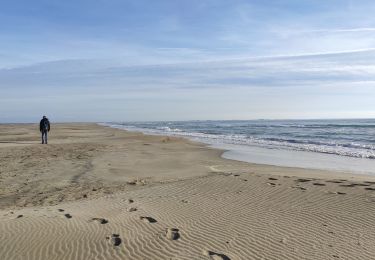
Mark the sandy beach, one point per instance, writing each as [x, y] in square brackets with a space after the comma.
[100, 193]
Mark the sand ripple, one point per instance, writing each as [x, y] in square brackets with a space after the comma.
[210, 217]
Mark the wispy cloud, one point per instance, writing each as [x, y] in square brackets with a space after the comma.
[346, 30]
[82, 85]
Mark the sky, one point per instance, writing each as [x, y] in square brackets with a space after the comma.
[147, 60]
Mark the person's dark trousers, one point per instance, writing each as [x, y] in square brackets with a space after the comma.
[44, 137]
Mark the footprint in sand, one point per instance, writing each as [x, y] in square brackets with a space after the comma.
[130, 201]
[347, 185]
[215, 256]
[272, 179]
[131, 209]
[172, 233]
[334, 181]
[299, 188]
[363, 184]
[114, 239]
[148, 219]
[318, 184]
[303, 180]
[369, 188]
[61, 210]
[337, 192]
[100, 220]
[68, 216]
[19, 216]
[340, 193]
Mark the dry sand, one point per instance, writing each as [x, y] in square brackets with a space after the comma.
[101, 193]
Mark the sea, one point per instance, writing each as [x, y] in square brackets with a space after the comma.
[340, 145]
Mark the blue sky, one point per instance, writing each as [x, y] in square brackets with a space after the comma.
[118, 60]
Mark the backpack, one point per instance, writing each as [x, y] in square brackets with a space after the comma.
[45, 125]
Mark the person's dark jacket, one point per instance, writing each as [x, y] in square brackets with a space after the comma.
[44, 125]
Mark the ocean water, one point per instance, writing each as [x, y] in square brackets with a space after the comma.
[344, 140]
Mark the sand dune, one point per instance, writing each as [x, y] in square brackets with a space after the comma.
[186, 203]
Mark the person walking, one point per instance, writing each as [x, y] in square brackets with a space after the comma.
[44, 128]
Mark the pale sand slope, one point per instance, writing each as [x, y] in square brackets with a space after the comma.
[221, 209]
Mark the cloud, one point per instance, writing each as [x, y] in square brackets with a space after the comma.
[278, 71]
[368, 29]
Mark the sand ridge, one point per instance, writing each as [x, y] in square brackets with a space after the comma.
[235, 218]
